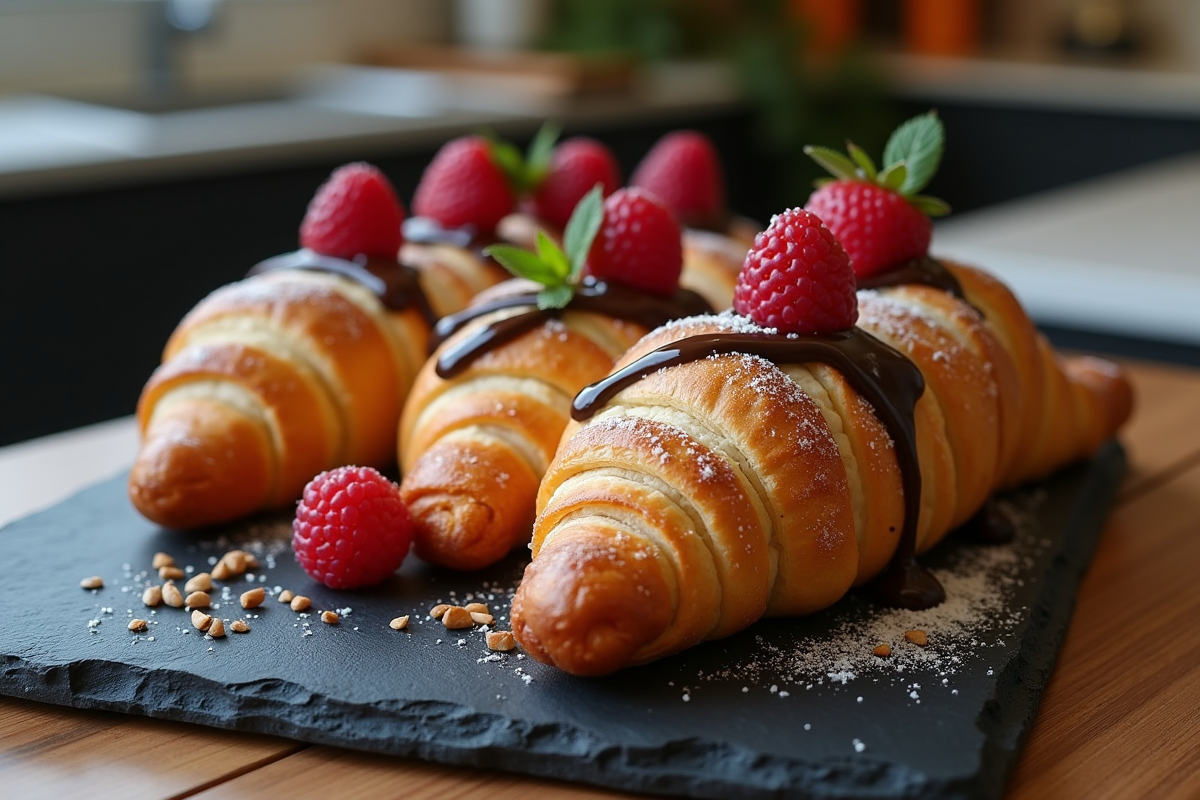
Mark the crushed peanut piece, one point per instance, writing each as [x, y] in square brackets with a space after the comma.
[253, 598]
[476, 608]
[137, 625]
[201, 582]
[286, 596]
[171, 573]
[217, 629]
[300, 602]
[329, 618]
[162, 560]
[883, 650]
[437, 611]
[221, 572]
[94, 582]
[235, 560]
[239, 626]
[171, 595]
[481, 618]
[917, 637]
[251, 560]
[501, 640]
[152, 596]
[399, 623]
[457, 617]
[198, 600]
[201, 621]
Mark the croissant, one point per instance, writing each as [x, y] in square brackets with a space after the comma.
[488, 409]
[274, 378]
[711, 486]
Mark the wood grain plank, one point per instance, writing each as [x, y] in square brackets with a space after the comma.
[46, 751]
[1121, 715]
[1163, 434]
[323, 772]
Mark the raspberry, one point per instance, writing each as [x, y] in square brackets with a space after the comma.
[879, 228]
[351, 528]
[576, 166]
[639, 244]
[464, 187]
[355, 212]
[797, 278]
[684, 171]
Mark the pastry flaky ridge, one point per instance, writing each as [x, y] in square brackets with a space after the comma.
[707, 494]
[274, 378]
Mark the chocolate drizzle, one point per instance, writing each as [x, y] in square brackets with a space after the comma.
[924, 271]
[396, 285]
[881, 374]
[612, 299]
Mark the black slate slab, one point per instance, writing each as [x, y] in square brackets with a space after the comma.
[788, 708]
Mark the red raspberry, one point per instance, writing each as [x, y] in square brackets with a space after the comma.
[639, 244]
[684, 171]
[351, 528]
[878, 227]
[355, 212]
[797, 278]
[576, 166]
[463, 186]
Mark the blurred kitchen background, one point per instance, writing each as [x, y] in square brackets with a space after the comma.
[152, 150]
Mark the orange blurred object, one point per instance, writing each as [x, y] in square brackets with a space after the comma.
[834, 23]
[941, 27]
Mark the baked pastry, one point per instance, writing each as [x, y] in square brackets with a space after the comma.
[301, 367]
[727, 471]
[487, 411]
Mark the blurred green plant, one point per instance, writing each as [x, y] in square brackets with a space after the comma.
[797, 99]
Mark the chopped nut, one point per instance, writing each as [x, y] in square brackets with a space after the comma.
[883, 651]
[152, 596]
[300, 602]
[221, 572]
[457, 617]
[201, 621]
[200, 582]
[137, 625]
[235, 560]
[480, 618]
[285, 596]
[399, 623]
[253, 598]
[171, 573]
[217, 629]
[476, 608]
[94, 582]
[501, 640]
[437, 611]
[239, 626]
[162, 560]
[198, 600]
[329, 618]
[917, 637]
[251, 560]
[171, 595]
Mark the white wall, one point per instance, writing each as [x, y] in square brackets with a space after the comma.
[84, 46]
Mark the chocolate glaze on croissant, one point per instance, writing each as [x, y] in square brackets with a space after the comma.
[272, 379]
[731, 487]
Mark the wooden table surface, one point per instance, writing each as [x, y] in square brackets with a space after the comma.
[1120, 717]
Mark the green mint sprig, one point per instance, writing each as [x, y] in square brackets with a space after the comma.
[556, 268]
[910, 160]
[525, 171]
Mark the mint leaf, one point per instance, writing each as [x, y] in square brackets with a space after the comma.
[553, 258]
[894, 176]
[932, 206]
[524, 264]
[510, 161]
[918, 143]
[582, 228]
[555, 296]
[837, 164]
[541, 149]
[863, 160]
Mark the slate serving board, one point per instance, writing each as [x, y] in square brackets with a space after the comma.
[788, 708]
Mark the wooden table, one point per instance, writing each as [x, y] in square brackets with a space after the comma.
[1120, 718]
